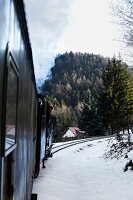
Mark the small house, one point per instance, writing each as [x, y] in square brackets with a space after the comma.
[73, 133]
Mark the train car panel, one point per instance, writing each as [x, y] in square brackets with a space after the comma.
[3, 45]
[26, 128]
[16, 68]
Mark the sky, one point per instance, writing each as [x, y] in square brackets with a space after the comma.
[57, 26]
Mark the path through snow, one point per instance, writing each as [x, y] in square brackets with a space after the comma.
[81, 173]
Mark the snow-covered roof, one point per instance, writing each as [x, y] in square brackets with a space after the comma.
[72, 132]
[10, 128]
[69, 133]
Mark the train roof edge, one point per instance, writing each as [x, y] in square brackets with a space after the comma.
[20, 8]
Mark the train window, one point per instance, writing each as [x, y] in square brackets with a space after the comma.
[11, 106]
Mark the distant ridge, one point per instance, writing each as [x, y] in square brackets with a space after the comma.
[72, 77]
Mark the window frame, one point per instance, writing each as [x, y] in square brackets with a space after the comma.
[10, 64]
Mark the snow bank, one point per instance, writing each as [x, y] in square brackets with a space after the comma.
[82, 173]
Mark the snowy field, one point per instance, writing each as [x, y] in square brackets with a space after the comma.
[82, 173]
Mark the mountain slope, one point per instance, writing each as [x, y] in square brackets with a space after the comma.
[73, 76]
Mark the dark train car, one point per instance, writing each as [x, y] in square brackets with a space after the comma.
[51, 132]
[45, 132]
[18, 104]
[41, 133]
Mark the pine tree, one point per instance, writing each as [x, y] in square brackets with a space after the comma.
[116, 96]
[89, 120]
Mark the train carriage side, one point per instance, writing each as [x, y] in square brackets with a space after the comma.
[46, 124]
[18, 104]
[49, 130]
[41, 134]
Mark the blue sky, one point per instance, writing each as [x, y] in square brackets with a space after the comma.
[57, 26]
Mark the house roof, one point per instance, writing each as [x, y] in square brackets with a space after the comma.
[72, 132]
[68, 134]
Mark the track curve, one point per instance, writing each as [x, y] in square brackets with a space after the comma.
[72, 143]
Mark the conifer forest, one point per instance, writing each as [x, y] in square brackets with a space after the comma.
[91, 92]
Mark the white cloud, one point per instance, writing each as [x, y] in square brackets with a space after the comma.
[91, 30]
[57, 26]
[47, 21]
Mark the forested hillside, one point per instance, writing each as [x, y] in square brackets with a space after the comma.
[73, 77]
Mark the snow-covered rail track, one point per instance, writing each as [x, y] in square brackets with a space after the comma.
[61, 147]
[72, 143]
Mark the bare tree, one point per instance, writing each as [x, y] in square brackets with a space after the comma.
[123, 12]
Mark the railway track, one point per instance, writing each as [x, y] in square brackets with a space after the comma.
[69, 144]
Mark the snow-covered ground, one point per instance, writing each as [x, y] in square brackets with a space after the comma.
[82, 173]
